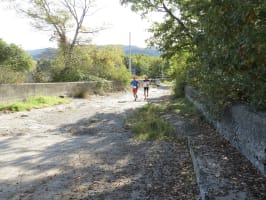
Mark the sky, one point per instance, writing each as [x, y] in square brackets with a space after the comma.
[121, 21]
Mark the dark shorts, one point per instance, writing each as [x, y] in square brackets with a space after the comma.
[146, 88]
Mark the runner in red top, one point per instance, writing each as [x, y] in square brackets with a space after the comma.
[135, 85]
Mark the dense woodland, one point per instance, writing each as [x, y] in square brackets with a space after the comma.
[216, 46]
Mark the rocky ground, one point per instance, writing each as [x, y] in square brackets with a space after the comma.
[82, 150]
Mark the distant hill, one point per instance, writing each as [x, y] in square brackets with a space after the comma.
[138, 50]
[46, 53]
[50, 53]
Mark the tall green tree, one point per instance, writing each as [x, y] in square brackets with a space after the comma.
[145, 65]
[14, 63]
[226, 41]
[141, 64]
[93, 63]
[108, 63]
[43, 71]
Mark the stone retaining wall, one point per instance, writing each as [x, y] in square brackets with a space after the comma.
[242, 127]
[16, 92]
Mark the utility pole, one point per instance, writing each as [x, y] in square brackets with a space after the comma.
[129, 62]
[162, 69]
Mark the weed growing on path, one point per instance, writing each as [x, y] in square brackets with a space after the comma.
[33, 102]
[148, 122]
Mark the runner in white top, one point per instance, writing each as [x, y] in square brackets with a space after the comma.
[146, 84]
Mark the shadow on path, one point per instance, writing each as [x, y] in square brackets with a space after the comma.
[96, 158]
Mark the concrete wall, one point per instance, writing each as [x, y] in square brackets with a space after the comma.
[242, 127]
[15, 92]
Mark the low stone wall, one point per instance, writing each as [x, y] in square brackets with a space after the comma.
[16, 92]
[242, 127]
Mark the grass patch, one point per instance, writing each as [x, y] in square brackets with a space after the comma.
[33, 103]
[147, 123]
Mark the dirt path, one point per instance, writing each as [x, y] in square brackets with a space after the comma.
[82, 151]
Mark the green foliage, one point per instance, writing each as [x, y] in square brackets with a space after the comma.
[43, 71]
[33, 103]
[177, 71]
[149, 125]
[8, 75]
[150, 66]
[157, 67]
[15, 58]
[77, 68]
[108, 63]
[232, 53]
[69, 74]
[14, 63]
[91, 63]
[141, 63]
[179, 86]
[226, 41]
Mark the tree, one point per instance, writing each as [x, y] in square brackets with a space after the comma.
[14, 63]
[64, 19]
[108, 63]
[43, 71]
[175, 32]
[93, 63]
[140, 64]
[225, 41]
[150, 66]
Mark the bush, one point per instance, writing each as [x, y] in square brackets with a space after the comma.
[231, 53]
[179, 87]
[8, 75]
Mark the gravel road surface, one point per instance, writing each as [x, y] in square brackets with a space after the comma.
[82, 150]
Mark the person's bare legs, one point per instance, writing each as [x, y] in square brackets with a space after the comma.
[146, 92]
[145, 95]
[135, 93]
